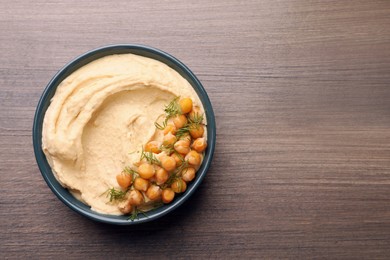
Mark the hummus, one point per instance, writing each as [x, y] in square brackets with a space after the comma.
[100, 117]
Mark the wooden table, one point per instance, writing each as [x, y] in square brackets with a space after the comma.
[301, 93]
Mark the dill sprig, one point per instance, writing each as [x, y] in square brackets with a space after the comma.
[115, 194]
[167, 148]
[182, 131]
[176, 174]
[184, 165]
[196, 119]
[193, 123]
[173, 108]
[172, 177]
[149, 157]
[162, 126]
[180, 156]
[131, 172]
[135, 213]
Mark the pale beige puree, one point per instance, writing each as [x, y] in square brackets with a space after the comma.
[99, 118]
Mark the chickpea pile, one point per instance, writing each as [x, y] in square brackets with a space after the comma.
[168, 165]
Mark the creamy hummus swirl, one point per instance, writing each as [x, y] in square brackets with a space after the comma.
[99, 118]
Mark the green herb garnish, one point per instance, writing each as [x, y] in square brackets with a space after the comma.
[149, 157]
[130, 171]
[135, 213]
[115, 194]
[175, 175]
[193, 123]
[197, 119]
[173, 108]
[167, 148]
[161, 127]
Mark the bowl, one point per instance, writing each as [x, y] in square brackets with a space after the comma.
[63, 194]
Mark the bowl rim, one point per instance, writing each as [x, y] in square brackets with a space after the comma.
[44, 101]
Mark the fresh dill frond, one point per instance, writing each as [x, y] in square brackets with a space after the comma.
[193, 123]
[184, 165]
[172, 177]
[135, 213]
[163, 124]
[175, 174]
[161, 127]
[115, 194]
[149, 157]
[196, 119]
[183, 131]
[180, 185]
[131, 172]
[167, 148]
[128, 170]
[173, 108]
[181, 157]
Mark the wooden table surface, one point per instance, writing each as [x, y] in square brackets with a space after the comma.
[301, 93]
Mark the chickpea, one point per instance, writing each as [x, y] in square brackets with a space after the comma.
[167, 195]
[125, 207]
[182, 146]
[161, 176]
[185, 105]
[193, 158]
[168, 163]
[141, 184]
[178, 158]
[154, 192]
[196, 131]
[169, 139]
[152, 146]
[146, 170]
[136, 198]
[124, 180]
[199, 145]
[188, 174]
[179, 186]
[170, 128]
[180, 121]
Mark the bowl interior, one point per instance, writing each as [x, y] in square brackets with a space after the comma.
[62, 193]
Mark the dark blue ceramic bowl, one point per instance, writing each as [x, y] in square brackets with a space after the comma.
[62, 193]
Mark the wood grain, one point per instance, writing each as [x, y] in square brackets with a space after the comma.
[301, 94]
